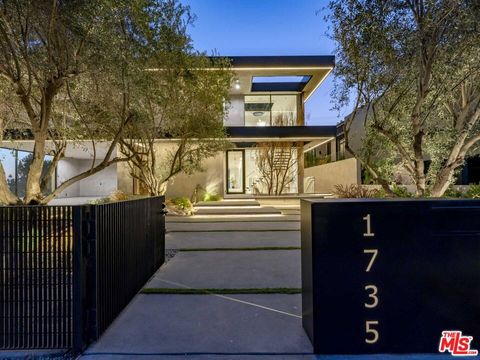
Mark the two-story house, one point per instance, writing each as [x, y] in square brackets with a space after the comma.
[265, 122]
[273, 152]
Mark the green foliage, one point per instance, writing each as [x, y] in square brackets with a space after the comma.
[101, 201]
[354, 191]
[473, 192]
[401, 191]
[182, 203]
[451, 192]
[211, 197]
[414, 81]
[311, 159]
[116, 196]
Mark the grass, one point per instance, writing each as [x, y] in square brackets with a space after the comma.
[181, 291]
[243, 248]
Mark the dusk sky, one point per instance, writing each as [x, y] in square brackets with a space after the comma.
[269, 27]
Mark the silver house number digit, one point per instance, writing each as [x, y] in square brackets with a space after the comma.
[369, 232]
[374, 335]
[373, 296]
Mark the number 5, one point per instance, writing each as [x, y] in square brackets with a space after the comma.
[370, 330]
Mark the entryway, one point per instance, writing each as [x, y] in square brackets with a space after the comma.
[230, 290]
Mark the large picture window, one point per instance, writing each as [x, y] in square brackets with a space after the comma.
[270, 110]
[16, 164]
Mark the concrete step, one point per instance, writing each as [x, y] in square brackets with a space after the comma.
[234, 210]
[231, 218]
[234, 226]
[235, 203]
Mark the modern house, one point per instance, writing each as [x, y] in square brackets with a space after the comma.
[273, 152]
[266, 125]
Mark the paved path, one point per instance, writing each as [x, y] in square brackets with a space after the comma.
[220, 327]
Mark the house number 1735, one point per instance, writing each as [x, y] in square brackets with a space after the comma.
[371, 333]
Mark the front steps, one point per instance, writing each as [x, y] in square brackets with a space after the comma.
[234, 207]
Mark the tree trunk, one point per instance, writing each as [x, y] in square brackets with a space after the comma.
[33, 191]
[444, 179]
[420, 179]
[162, 189]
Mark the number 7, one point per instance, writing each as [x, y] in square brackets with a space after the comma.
[374, 253]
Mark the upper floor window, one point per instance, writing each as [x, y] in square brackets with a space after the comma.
[270, 110]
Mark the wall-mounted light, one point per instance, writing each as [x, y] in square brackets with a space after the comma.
[237, 84]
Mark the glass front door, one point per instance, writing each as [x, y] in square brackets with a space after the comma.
[235, 172]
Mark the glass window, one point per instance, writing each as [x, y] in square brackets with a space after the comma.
[16, 164]
[7, 157]
[257, 110]
[284, 110]
[270, 110]
[266, 178]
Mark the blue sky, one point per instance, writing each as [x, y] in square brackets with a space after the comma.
[269, 27]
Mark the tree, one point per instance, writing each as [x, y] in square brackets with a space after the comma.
[276, 162]
[412, 68]
[190, 111]
[75, 70]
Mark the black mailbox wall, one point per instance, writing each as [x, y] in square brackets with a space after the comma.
[393, 288]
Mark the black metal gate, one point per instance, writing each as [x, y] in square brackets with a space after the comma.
[68, 271]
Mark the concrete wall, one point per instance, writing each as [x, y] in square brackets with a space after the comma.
[236, 111]
[339, 172]
[100, 184]
[212, 179]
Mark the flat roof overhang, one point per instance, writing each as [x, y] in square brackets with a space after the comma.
[246, 67]
[294, 133]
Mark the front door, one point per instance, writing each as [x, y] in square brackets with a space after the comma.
[235, 172]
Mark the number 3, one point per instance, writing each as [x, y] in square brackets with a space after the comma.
[369, 330]
[373, 296]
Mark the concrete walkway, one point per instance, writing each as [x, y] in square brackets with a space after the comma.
[220, 327]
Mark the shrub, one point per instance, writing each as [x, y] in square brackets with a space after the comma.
[401, 191]
[451, 192]
[118, 195]
[182, 203]
[211, 197]
[473, 192]
[354, 191]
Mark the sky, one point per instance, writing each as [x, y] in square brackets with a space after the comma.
[269, 27]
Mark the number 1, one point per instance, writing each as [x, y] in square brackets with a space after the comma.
[369, 232]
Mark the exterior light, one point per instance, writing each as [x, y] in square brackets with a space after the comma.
[237, 84]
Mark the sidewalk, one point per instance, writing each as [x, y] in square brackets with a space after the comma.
[263, 326]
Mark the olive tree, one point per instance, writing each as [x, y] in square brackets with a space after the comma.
[183, 125]
[410, 67]
[78, 71]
